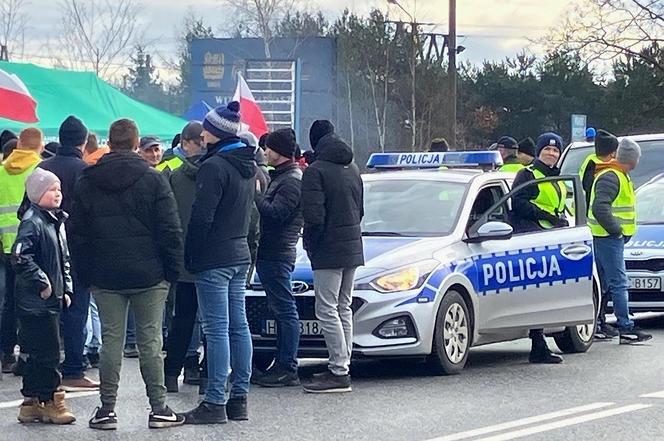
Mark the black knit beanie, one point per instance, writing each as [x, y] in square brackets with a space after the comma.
[282, 141]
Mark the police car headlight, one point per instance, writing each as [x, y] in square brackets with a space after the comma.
[405, 278]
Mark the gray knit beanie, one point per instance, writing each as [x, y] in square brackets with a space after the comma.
[38, 183]
[629, 152]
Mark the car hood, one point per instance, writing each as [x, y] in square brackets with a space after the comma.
[380, 254]
[647, 243]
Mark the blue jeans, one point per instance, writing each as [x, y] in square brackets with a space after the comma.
[276, 279]
[613, 276]
[74, 320]
[93, 340]
[221, 304]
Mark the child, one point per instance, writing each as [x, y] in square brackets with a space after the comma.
[40, 258]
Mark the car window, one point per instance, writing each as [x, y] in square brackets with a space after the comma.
[484, 200]
[651, 164]
[411, 207]
[650, 203]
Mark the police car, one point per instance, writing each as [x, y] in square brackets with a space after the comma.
[644, 253]
[444, 270]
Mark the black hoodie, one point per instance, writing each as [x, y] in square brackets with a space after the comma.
[126, 229]
[332, 205]
[220, 215]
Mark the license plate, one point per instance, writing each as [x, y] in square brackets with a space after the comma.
[307, 327]
[646, 283]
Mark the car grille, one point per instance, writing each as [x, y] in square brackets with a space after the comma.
[654, 265]
[646, 296]
[258, 311]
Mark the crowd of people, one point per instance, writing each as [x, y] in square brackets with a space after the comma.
[162, 245]
[102, 242]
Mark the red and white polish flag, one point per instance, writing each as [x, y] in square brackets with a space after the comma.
[251, 113]
[16, 103]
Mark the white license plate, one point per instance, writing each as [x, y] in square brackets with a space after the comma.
[307, 327]
[646, 283]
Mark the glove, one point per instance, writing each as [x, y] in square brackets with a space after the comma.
[561, 222]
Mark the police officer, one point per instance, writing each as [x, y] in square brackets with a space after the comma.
[509, 149]
[538, 208]
[605, 150]
[612, 221]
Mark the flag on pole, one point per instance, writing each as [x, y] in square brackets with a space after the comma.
[16, 103]
[251, 113]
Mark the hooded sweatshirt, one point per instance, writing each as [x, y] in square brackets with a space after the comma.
[126, 229]
[21, 161]
[225, 186]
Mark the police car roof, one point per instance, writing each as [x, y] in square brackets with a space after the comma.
[637, 138]
[462, 176]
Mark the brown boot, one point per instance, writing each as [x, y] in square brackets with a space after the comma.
[30, 411]
[56, 411]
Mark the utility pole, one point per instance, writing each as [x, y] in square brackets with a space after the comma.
[452, 74]
[4, 53]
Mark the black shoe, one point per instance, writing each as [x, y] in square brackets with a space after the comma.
[605, 332]
[206, 413]
[19, 368]
[236, 409]
[130, 351]
[172, 384]
[93, 360]
[634, 335]
[104, 419]
[8, 362]
[164, 418]
[329, 383]
[542, 355]
[278, 377]
[202, 386]
[192, 376]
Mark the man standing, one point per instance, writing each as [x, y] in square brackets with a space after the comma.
[67, 165]
[509, 150]
[150, 149]
[281, 222]
[332, 205]
[14, 171]
[127, 244]
[217, 253]
[612, 221]
[191, 144]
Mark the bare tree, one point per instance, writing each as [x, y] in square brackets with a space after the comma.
[260, 17]
[606, 29]
[13, 22]
[98, 34]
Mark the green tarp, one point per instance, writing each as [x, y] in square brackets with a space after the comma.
[60, 93]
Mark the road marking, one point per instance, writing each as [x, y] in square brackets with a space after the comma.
[659, 394]
[522, 422]
[16, 403]
[565, 423]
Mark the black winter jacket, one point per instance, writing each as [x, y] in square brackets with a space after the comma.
[127, 232]
[525, 215]
[225, 186]
[40, 256]
[332, 205]
[281, 216]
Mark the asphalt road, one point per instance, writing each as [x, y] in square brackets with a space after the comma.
[603, 394]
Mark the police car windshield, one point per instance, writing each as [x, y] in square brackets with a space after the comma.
[650, 204]
[652, 161]
[411, 207]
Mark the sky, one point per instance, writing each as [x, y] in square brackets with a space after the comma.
[488, 29]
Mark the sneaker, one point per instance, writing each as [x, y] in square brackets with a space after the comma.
[30, 411]
[8, 362]
[192, 376]
[79, 384]
[605, 332]
[329, 383]
[278, 377]
[542, 355]
[93, 360]
[130, 351]
[206, 413]
[164, 418]
[236, 409]
[56, 411]
[634, 335]
[104, 419]
[172, 384]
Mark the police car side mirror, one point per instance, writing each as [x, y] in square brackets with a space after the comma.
[491, 231]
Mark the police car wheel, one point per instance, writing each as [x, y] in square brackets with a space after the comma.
[452, 334]
[577, 339]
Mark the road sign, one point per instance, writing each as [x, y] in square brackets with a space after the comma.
[578, 128]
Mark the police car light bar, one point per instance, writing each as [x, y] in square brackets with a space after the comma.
[491, 159]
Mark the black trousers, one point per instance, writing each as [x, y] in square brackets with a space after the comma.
[182, 327]
[40, 340]
[8, 324]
